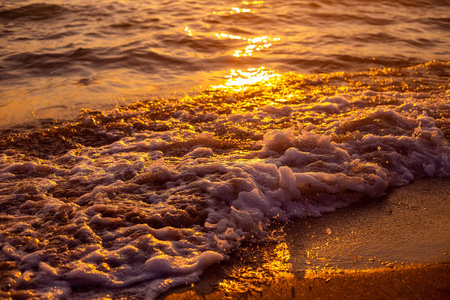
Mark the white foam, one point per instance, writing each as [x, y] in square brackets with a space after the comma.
[133, 212]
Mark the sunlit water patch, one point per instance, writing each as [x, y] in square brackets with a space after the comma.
[156, 192]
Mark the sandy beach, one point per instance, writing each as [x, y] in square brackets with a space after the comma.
[390, 248]
[412, 282]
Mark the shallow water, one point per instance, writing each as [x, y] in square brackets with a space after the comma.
[153, 192]
[58, 57]
[404, 228]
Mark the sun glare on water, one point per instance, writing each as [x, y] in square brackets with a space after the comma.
[239, 80]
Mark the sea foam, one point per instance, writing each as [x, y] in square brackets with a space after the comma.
[159, 207]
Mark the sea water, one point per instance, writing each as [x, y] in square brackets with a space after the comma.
[321, 104]
[58, 57]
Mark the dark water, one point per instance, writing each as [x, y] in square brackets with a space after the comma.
[57, 57]
[314, 105]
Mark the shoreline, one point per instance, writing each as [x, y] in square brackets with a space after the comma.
[392, 247]
[430, 281]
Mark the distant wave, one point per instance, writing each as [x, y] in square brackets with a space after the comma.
[34, 12]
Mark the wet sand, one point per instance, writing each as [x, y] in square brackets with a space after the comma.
[390, 248]
[414, 282]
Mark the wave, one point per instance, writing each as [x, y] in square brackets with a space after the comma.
[158, 191]
[34, 12]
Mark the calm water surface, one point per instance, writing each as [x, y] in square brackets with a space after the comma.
[57, 57]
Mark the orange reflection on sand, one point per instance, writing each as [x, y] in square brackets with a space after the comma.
[274, 264]
[239, 80]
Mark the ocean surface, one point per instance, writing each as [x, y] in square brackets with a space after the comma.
[233, 115]
[57, 57]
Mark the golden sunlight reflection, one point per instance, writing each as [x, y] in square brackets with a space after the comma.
[273, 265]
[252, 2]
[237, 10]
[257, 43]
[188, 31]
[239, 80]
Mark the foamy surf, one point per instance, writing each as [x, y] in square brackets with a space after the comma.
[156, 192]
